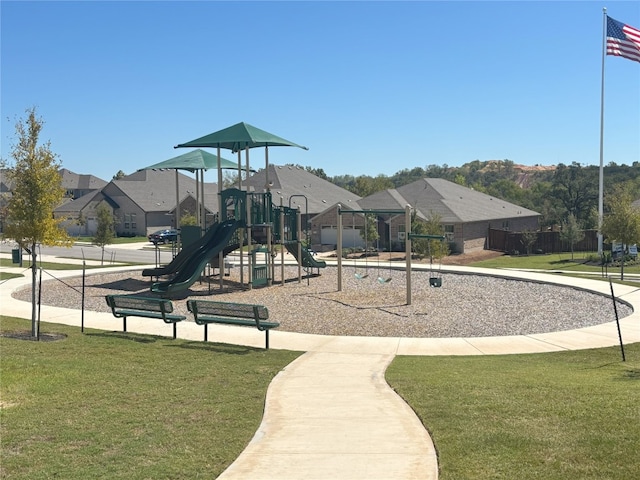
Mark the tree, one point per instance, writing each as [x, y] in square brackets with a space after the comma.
[365, 185]
[119, 175]
[37, 191]
[318, 172]
[370, 231]
[528, 240]
[104, 231]
[622, 221]
[81, 221]
[571, 232]
[432, 247]
[188, 219]
[576, 188]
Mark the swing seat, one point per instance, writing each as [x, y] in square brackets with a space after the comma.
[360, 276]
[384, 280]
[435, 282]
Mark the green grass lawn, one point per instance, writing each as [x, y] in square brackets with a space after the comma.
[113, 405]
[26, 265]
[566, 415]
[554, 261]
[7, 275]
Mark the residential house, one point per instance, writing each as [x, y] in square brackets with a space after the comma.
[141, 203]
[78, 185]
[465, 214]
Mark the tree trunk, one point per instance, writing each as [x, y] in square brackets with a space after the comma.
[34, 275]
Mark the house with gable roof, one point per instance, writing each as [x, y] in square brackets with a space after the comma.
[142, 202]
[296, 187]
[78, 185]
[466, 215]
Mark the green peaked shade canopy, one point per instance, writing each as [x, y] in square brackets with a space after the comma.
[238, 137]
[192, 161]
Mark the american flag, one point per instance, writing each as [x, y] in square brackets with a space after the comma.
[623, 40]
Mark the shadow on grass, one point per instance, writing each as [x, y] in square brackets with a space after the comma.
[218, 348]
[134, 337]
[631, 374]
[562, 261]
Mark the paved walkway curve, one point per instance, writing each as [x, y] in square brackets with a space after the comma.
[330, 414]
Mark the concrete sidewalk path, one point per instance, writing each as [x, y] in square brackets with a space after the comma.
[330, 415]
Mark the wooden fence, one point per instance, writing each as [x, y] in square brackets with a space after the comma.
[547, 242]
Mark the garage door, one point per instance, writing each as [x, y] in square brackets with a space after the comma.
[350, 238]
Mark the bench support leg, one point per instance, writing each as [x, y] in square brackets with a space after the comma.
[124, 324]
[266, 334]
[206, 332]
[175, 330]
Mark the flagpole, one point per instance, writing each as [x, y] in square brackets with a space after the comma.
[601, 173]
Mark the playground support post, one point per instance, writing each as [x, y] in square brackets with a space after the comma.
[281, 243]
[299, 245]
[270, 258]
[407, 250]
[249, 260]
[339, 248]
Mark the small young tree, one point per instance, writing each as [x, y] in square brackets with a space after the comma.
[81, 222]
[104, 231]
[622, 222]
[528, 240]
[37, 191]
[571, 232]
[434, 248]
[188, 219]
[370, 231]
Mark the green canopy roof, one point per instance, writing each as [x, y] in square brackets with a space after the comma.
[192, 161]
[238, 137]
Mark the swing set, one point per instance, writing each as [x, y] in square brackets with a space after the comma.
[434, 281]
[357, 274]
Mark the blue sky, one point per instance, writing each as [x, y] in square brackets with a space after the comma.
[370, 87]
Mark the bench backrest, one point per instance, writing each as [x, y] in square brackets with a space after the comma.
[230, 310]
[151, 304]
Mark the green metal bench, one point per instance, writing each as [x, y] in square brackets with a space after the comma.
[123, 306]
[207, 311]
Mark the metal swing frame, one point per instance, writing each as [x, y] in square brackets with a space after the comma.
[360, 276]
[381, 279]
[433, 281]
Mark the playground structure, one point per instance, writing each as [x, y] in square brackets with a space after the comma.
[434, 281]
[251, 220]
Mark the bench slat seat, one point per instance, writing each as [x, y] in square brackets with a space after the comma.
[123, 306]
[206, 312]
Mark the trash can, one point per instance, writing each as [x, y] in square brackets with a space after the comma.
[15, 256]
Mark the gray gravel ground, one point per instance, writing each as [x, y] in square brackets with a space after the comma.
[465, 305]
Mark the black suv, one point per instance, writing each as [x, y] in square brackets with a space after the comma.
[163, 236]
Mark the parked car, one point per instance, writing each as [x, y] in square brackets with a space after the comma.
[163, 236]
